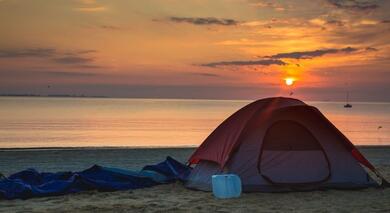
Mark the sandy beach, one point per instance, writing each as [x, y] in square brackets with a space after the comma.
[176, 198]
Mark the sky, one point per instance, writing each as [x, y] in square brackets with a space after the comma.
[210, 49]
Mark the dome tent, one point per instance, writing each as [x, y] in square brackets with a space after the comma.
[280, 144]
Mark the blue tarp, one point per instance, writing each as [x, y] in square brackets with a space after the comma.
[31, 183]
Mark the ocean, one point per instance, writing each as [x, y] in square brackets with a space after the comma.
[104, 122]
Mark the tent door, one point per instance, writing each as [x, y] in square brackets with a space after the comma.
[292, 155]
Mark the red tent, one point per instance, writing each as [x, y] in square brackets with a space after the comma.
[273, 143]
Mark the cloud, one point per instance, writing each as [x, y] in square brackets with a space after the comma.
[204, 21]
[68, 74]
[311, 54]
[345, 22]
[90, 9]
[110, 27]
[353, 4]
[88, 1]
[88, 66]
[34, 52]
[263, 62]
[371, 49]
[86, 51]
[89, 6]
[73, 60]
[205, 74]
[76, 57]
[48, 73]
[335, 22]
[241, 42]
[264, 4]
[41, 52]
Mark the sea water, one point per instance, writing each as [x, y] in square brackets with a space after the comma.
[100, 122]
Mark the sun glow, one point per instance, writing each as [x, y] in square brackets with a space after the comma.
[289, 81]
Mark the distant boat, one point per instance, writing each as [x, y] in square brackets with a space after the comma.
[348, 105]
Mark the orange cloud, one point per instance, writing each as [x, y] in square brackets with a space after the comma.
[91, 9]
[88, 1]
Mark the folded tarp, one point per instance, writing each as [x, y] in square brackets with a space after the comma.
[31, 183]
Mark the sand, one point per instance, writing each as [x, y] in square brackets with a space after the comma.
[176, 198]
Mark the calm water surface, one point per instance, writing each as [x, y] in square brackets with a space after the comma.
[79, 122]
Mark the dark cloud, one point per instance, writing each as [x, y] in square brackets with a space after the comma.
[204, 21]
[359, 36]
[68, 74]
[110, 27]
[88, 66]
[76, 57]
[335, 22]
[76, 53]
[353, 4]
[311, 54]
[205, 74]
[263, 62]
[34, 52]
[371, 49]
[41, 53]
[30, 74]
[86, 51]
[73, 60]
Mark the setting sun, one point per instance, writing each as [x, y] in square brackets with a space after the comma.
[289, 81]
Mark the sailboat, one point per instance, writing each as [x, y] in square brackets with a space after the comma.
[348, 105]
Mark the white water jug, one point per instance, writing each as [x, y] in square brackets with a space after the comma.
[226, 186]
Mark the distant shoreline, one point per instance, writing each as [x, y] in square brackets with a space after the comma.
[172, 98]
[52, 95]
[96, 148]
[138, 147]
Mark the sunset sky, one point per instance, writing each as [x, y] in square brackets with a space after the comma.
[230, 49]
